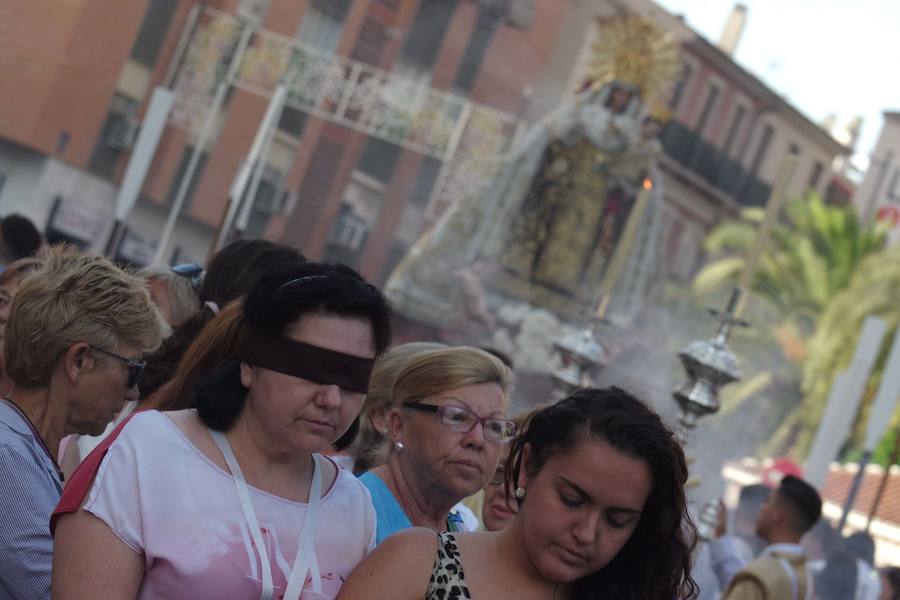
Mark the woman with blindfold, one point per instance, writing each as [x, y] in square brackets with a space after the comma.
[233, 499]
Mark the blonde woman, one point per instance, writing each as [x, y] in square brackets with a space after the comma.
[446, 430]
[372, 446]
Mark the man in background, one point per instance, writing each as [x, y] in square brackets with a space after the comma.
[780, 572]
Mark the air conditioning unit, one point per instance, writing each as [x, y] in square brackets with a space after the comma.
[123, 133]
[349, 231]
[269, 201]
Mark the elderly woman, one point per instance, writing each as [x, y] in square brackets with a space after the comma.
[447, 429]
[233, 499]
[93, 324]
[372, 445]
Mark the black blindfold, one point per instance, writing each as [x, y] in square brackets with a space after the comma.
[298, 359]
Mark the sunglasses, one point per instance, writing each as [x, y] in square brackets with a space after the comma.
[135, 367]
[192, 271]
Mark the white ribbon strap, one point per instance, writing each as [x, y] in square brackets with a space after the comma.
[792, 575]
[306, 555]
[243, 492]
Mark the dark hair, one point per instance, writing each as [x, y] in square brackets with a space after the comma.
[214, 345]
[21, 238]
[346, 440]
[892, 575]
[655, 563]
[803, 503]
[837, 580]
[231, 273]
[236, 267]
[860, 545]
[274, 303]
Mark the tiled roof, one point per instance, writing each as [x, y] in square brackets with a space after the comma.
[840, 478]
[837, 485]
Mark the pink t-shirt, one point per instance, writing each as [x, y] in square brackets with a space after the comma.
[166, 500]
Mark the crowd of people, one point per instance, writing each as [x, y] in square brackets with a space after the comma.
[248, 430]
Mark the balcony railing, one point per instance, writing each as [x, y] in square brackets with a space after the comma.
[707, 161]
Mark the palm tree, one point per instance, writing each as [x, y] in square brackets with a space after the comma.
[874, 289]
[808, 265]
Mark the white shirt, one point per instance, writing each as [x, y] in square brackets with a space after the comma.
[166, 500]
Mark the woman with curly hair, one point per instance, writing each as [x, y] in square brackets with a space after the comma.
[602, 514]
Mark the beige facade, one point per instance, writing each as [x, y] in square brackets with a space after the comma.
[878, 197]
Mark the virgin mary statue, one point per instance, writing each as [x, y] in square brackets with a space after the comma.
[554, 213]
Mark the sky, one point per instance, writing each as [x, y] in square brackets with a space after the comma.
[825, 56]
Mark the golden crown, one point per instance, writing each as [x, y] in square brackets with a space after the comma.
[635, 51]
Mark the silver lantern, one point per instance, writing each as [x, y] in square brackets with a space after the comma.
[582, 357]
[709, 365]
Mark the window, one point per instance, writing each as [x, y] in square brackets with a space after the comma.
[292, 121]
[349, 229]
[425, 180]
[761, 149]
[153, 31]
[893, 190]
[323, 24]
[735, 128]
[427, 32]
[794, 149]
[680, 86]
[378, 159]
[816, 175]
[252, 10]
[370, 43]
[116, 135]
[707, 108]
[487, 24]
[270, 199]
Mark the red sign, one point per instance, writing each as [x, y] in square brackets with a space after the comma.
[889, 213]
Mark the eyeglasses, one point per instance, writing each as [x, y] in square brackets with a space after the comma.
[135, 367]
[191, 271]
[463, 420]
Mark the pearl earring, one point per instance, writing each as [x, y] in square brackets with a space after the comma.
[398, 446]
[520, 492]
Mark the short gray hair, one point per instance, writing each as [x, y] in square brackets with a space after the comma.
[71, 299]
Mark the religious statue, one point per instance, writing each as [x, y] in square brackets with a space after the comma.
[552, 218]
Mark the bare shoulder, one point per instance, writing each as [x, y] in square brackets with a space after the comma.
[90, 561]
[401, 565]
